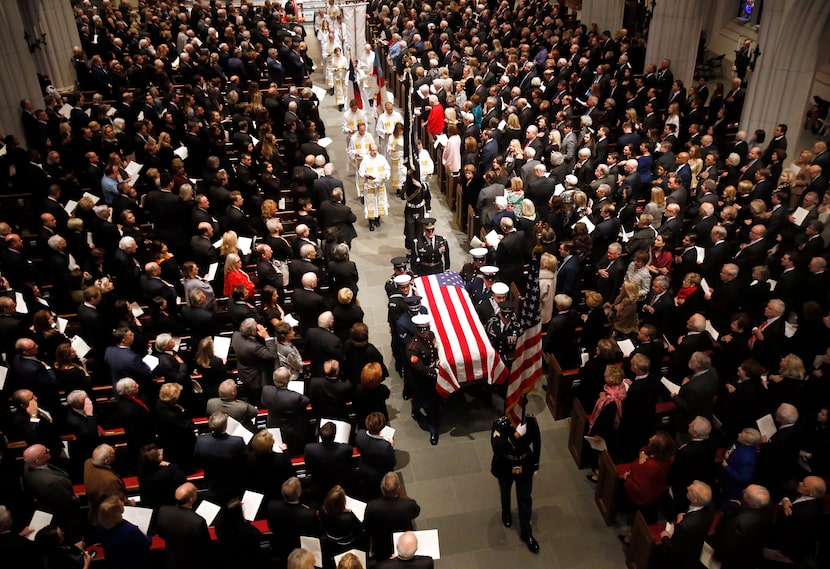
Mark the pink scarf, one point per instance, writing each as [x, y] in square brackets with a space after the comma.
[613, 394]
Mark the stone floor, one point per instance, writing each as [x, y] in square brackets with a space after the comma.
[452, 481]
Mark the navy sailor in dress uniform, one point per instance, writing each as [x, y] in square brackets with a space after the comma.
[481, 287]
[516, 450]
[503, 331]
[432, 252]
[399, 267]
[470, 270]
[422, 363]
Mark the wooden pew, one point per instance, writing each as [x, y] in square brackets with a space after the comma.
[643, 552]
[559, 392]
[579, 427]
[609, 490]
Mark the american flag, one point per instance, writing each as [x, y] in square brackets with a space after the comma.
[465, 352]
[527, 360]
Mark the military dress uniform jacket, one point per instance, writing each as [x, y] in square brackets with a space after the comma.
[512, 457]
[422, 357]
[432, 255]
[503, 337]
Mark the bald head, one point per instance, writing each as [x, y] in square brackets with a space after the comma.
[186, 495]
[407, 545]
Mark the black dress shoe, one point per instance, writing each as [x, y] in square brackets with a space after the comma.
[433, 439]
[506, 519]
[532, 544]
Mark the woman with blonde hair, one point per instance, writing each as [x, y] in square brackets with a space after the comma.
[124, 544]
[236, 276]
[695, 163]
[623, 312]
[174, 427]
[656, 207]
[788, 385]
[547, 285]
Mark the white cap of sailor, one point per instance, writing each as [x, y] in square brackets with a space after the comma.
[402, 280]
[500, 289]
[421, 321]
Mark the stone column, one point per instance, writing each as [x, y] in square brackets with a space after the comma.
[55, 19]
[674, 33]
[19, 78]
[606, 14]
[779, 89]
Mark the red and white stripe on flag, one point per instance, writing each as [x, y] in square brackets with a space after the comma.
[527, 359]
[465, 352]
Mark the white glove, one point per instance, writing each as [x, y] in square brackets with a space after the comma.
[522, 429]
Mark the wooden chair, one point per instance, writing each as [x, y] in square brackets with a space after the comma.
[609, 488]
[579, 426]
[644, 550]
[559, 393]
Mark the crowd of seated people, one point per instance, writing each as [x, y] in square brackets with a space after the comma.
[185, 93]
[698, 242]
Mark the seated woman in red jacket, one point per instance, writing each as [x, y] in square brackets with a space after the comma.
[235, 276]
[646, 480]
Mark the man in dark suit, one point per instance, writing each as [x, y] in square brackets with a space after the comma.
[768, 341]
[753, 253]
[256, 353]
[17, 267]
[186, 538]
[330, 396]
[52, 488]
[389, 514]
[561, 340]
[29, 372]
[512, 253]
[659, 307]
[681, 549]
[23, 426]
[12, 327]
[324, 185]
[638, 408]
[287, 411]
[124, 362]
[739, 537]
[305, 263]
[288, 519]
[567, 275]
[322, 345]
[235, 217]
[407, 546]
[308, 304]
[203, 253]
[670, 228]
[335, 213]
[697, 394]
[164, 208]
[724, 298]
[797, 527]
[221, 455]
[610, 272]
[778, 459]
[152, 285]
[81, 422]
[694, 460]
[717, 255]
[328, 461]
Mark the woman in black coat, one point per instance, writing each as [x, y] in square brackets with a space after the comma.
[371, 394]
[266, 470]
[174, 427]
[358, 352]
[238, 541]
[157, 478]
